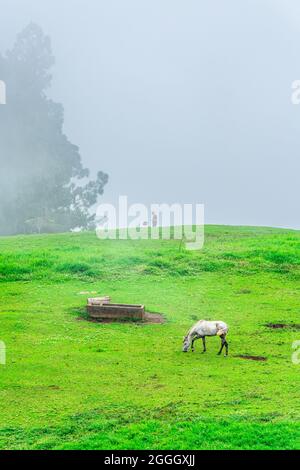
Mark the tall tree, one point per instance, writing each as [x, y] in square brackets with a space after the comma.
[43, 184]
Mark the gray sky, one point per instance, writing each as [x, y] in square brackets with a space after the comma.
[180, 101]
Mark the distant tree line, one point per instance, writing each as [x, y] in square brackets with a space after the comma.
[43, 184]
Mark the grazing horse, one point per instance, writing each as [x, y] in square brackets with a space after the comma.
[204, 328]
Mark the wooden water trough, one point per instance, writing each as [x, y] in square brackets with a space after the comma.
[100, 308]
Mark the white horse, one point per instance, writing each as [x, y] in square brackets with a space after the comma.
[204, 328]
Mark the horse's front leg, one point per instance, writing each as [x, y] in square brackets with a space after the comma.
[193, 340]
[204, 344]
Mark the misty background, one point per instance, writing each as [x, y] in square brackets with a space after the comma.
[177, 101]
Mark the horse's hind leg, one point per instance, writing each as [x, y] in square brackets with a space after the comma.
[223, 341]
[226, 346]
[204, 344]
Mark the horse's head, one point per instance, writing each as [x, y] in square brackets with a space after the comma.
[186, 343]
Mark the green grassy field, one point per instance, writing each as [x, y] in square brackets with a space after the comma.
[73, 384]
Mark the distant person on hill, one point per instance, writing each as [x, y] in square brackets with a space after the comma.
[154, 219]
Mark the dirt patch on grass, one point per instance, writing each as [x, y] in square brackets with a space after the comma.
[149, 318]
[252, 358]
[244, 291]
[277, 326]
[154, 318]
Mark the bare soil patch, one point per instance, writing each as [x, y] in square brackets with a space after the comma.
[252, 358]
[244, 291]
[277, 326]
[156, 318]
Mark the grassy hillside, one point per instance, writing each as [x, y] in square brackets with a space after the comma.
[69, 383]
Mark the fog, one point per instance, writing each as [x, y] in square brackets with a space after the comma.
[177, 101]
